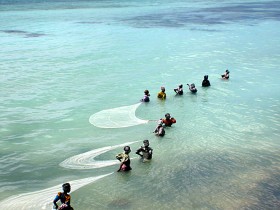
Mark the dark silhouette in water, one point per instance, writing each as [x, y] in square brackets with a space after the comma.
[205, 82]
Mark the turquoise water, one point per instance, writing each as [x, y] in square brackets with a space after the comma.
[63, 61]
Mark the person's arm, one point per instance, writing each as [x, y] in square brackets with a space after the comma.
[125, 158]
[156, 130]
[138, 152]
[173, 120]
[67, 202]
[57, 197]
[119, 156]
[150, 151]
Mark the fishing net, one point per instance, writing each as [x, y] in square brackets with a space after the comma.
[43, 199]
[120, 117]
[86, 160]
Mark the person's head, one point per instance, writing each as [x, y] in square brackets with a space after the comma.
[167, 116]
[162, 89]
[66, 187]
[146, 143]
[127, 149]
[180, 86]
[193, 85]
[206, 77]
[146, 92]
[227, 71]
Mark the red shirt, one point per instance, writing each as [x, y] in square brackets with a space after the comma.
[169, 122]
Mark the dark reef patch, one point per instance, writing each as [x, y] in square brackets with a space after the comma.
[26, 34]
[244, 13]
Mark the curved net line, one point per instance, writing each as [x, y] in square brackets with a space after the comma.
[86, 160]
[42, 199]
[119, 117]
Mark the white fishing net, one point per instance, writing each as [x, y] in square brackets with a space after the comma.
[43, 199]
[120, 117]
[86, 160]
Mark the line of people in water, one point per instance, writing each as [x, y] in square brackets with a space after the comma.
[179, 89]
[145, 152]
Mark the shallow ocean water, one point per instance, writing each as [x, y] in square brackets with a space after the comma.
[63, 61]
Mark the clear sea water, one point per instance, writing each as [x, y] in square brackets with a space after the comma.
[63, 61]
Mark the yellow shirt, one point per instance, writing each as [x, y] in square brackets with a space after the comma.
[161, 95]
[122, 157]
